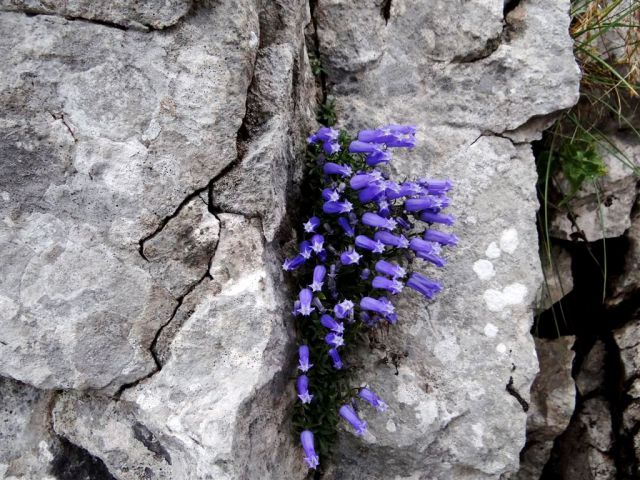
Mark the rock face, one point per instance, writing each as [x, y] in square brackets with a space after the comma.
[558, 279]
[464, 75]
[553, 399]
[607, 212]
[150, 155]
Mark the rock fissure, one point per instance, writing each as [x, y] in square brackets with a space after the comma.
[515, 394]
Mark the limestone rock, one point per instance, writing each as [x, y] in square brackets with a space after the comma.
[105, 133]
[591, 375]
[606, 213]
[629, 282]
[553, 399]
[628, 340]
[584, 448]
[558, 279]
[126, 13]
[459, 81]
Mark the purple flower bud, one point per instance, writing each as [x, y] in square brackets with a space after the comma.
[390, 239]
[379, 156]
[432, 217]
[337, 207]
[293, 263]
[305, 308]
[373, 399]
[422, 284]
[303, 353]
[334, 340]
[375, 220]
[432, 257]
[335, 358]
[322, 256]
[391, 269]
[330, 194]
[379, 306]
[343, 309]
[419, 204]
[331, 147]
[393, 286]
[364, 274]
[348, 413]
[441, 237]
[317, 243]
[311, 224]
[302, 385]
[318, 276]
[350, 257]
[331, 168]
[327, 321]
[312, 459]
[436, 187]
[418, 245]
[365, 242]
[346, 226]
[361, 147]
[318, 304]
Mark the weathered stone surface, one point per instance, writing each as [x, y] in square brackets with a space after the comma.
[101, 145]
[584, 448]
[592, 371]
[126, 13]
[216, 409]
[458, 85]
[558, 279]
[607, 212]
[629, 281]
[628, 340]
[553, 399]
[27, 445]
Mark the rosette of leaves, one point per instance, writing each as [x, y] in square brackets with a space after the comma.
[360, 242]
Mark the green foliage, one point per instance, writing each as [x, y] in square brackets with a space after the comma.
[315, 63]
[326, 114]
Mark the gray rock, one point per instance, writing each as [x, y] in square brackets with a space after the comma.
[459, 86]
[584, 448]
[607, 212]
[154, 14]
[558, 279]
[27, 444]
[217, 407]
[553, 399]
[628, 340]
[591, 375]
[106, 133]
[629, 282]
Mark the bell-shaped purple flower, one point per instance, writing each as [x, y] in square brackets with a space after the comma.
[436, 187]
[432, 257]
[363, 147]
[375, 220]
[373, 399]
[305, 249]
[317, 243]
[311, 224]
[330, 195]
[293, 263]
[365, 242]
[337, 207]
[318, 278]
[346, 226]
[390, 239]
[363, 180]
[331, 147]
[404, 223]
[343, 309]
[302, 385]
[324, 134]
[409, 189]
[384, 283]
[350, 257]
[383, 307]
[372, 192]
[334, 340]
[348, 413]
[422, 284]
[432, 217]
[303, 358]
[377, 157]
[327, 321]
[442, 238]
[391, 269]
[419, 245]
[331, 168]
[312, 459]
[306, 296]
[335, 358]
[419, 204]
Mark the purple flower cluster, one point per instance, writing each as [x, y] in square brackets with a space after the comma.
[367, 227]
